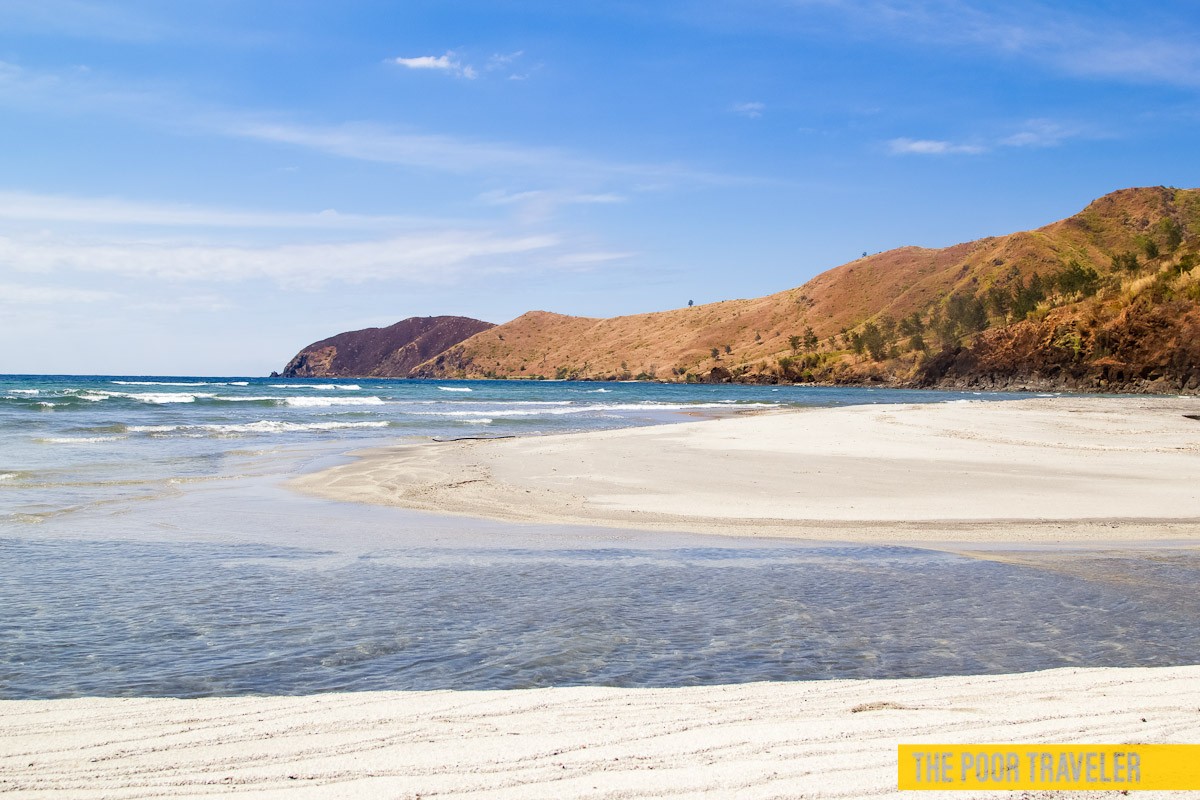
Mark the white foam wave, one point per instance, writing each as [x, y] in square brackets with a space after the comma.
[345, 387]
[153, 398]
[455, 389]
[318, 402]
[165, 383]
[79, 439]
[493, 403]
[262, 426]
[25, 391]
[239, 383]
[595, 407]
[48, 404]
[164, 398]
[477, 421]
[8, 476]
[597, 391]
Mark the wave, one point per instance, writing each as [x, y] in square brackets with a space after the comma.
[78, 439]
[455, 389]
[9, 476]
[25, 391]
[493, 403]
[262, 426]
[165, 398]
[477, 421]
[153, 398]
[502, 412]
[345, 387]
[169, 398]
[319, 402]
[166, 383]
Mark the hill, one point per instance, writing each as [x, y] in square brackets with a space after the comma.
[1104, 300]
[390, 352]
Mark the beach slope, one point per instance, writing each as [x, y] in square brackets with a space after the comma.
[821, 739]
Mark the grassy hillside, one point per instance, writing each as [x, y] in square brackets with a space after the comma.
[1105, 299]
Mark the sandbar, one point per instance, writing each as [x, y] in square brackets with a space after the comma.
[1044, 470]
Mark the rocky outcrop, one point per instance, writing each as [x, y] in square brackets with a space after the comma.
[391, 352]
[1145, 348]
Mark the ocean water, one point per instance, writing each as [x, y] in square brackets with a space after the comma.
[71, 442]
[148, 549]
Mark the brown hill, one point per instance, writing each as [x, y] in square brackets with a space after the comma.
[389, 352]
[1104, 299]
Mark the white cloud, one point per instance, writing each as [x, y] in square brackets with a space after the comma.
[753, 110]
[502, 60]
[22, 294]
[541, 204]
[26, 206]
[1040, 133]
[368, 142]
[74, 92]
[932, 147]
[585, 260]
[446, 62]
[434, 257]
[1034, 133]
[1139, 45]
[507, 62]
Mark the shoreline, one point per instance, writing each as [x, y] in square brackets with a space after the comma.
[1057, 470]
[819, 739]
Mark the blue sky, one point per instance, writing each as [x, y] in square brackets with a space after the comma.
[205, 187]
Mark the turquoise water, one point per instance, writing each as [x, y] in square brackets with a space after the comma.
[148, 549]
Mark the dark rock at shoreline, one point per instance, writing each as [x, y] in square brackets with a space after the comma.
[391, 352]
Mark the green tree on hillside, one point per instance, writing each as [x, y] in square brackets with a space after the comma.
[1126, 262]
[810, 339]
[1076, 278]
[873, 341]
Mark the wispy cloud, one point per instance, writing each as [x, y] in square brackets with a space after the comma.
[753, 110]
[932, 147]
[448, 62]
[1035, 133]
[511, 63]
[24, 294]
[1089, 42]
[433, 257]
[30, 207]
[76, 91]
[1041, 133]
[541, 204]
[457, 154]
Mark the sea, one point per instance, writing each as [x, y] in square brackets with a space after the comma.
[150, 547]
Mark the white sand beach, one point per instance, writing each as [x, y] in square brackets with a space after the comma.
[820, 739]
[1041, 470]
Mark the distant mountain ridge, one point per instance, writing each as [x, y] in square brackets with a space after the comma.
[1105, 300]
[390, 352]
